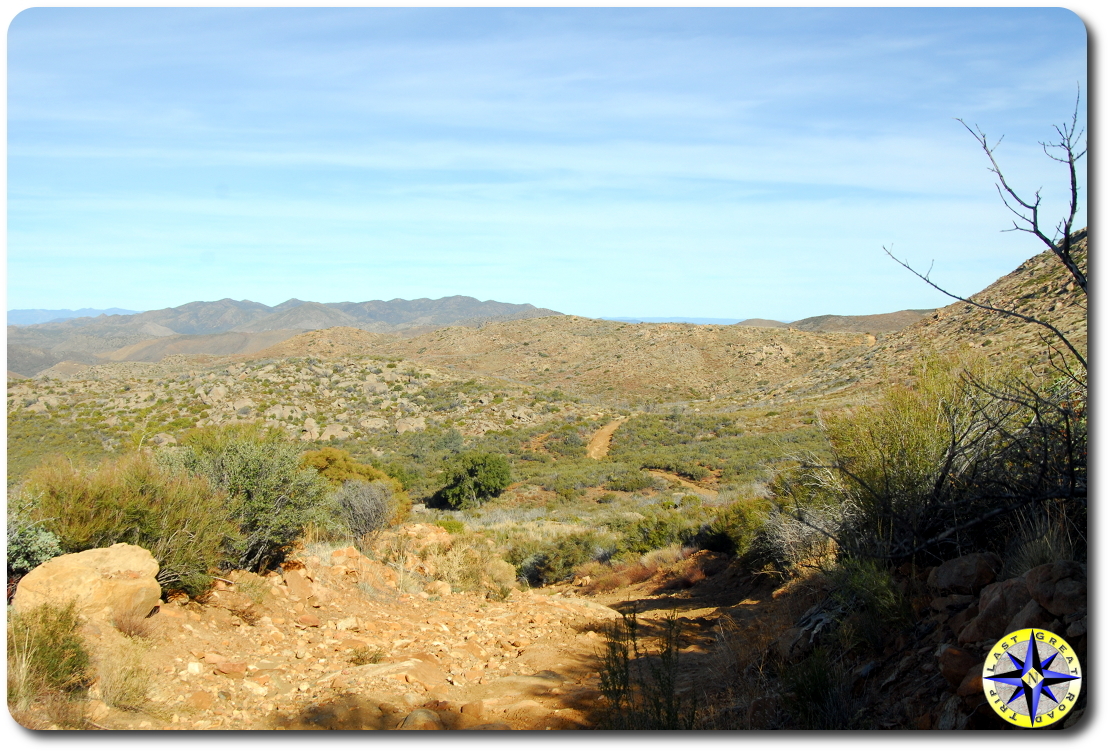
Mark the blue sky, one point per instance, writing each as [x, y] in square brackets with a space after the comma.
[703, 163]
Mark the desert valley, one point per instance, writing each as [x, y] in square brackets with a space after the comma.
[583, 523]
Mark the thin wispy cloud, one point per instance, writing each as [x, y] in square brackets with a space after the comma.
[707, 162]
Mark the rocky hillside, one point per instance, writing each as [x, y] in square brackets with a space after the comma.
[608, 360]
[94, 339]
[1039, 288]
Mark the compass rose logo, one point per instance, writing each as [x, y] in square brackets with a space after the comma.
[1032, 678]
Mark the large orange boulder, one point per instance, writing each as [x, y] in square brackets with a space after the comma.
[104, 583]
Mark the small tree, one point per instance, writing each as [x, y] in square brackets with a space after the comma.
[473, 478]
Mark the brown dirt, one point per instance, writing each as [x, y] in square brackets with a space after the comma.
[598, 446]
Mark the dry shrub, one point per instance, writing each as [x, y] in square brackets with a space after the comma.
[179, 517]
[366, 655]
[124, 679]
[45, 654]
[622, 574]
[253, 586]
[685, 574]
[133, 623]
[469, 563]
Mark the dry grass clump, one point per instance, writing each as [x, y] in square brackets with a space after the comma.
[251, 585]
[366, 655]
[123, 677]
[133, 623]
[46, 656]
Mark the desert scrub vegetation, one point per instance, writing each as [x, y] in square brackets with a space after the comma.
[29, 543]
[540, 562]
[46, 655]
[178, 517]
[641, 685]
[32, 436]
[123, 675]
[271, 497]
[949, 464]
[698, 446]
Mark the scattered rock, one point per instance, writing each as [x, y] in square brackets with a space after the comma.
[967, 574]
[1032, 615]
[998, 604]
[1059, 587]
[954, 663]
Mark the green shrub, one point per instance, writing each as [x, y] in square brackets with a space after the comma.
[657, 531]
[876, 607]
[271, 497]
[179, 518]
[629, 480]
[473, 478]
[451, 525]
[734, 529]
[45, 654]
[29, 543]
[541, 563]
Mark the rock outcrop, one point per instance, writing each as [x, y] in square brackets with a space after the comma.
[104, 583]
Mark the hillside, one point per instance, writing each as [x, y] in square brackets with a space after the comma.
[612, 361]
[1040, 288]
[92, 339]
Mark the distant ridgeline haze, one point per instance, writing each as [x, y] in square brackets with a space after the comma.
[39, 339]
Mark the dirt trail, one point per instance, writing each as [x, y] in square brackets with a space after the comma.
[676, 479]
[598, 447]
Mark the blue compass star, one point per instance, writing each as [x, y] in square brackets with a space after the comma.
[1032, 677]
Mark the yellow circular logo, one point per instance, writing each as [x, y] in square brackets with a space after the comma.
[1032, 678]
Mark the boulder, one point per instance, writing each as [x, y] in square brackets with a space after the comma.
[104, 583]
[422, 719]
[967, 574]
[1032, 615]
[954, 664]
[410, 424]
[1060, 587]
[998, 604]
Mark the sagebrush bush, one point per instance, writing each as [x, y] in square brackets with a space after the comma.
[271, 496]
[178, 517]
[29, 543]
[46, 654]
[629, 480]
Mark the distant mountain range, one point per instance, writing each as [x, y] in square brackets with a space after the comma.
[872, 323]
[23, 317]
[191, 328]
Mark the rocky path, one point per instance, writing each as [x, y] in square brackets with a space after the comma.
[598, 446]
[334, 646]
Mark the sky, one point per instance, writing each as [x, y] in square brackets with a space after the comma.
[727, 163]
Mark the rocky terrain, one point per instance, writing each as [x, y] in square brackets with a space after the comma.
[339, 640]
